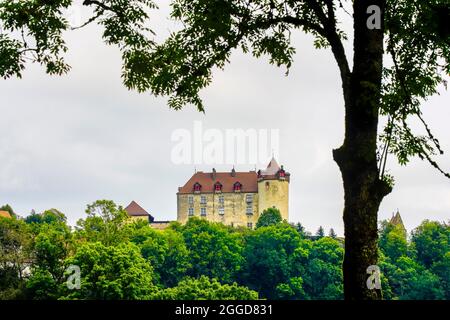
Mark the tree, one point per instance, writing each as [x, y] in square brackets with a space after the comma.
[293, 290]
[268, 217]
[442, 270]
[332, 234]
[413, 33]
[111, 273]
[166, 252]
[15, 242]
[410, 281]
[323, 273]
[275, 255]
[204, 288]
[51, 245]
[42, 286]
[320, 232]
[215, 251]
[392, 241]
[432, 242]
[51, 216]
[105, 221]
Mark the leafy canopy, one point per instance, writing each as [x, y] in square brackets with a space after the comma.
[268, 217]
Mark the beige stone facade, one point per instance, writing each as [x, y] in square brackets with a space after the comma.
[274, 193]
[235, 209]
[160, 225]
[234, 198]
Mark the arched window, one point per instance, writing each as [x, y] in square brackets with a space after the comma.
[197, 187]
[237, 186]
[218, 187]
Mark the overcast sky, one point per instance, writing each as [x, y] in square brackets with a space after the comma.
[68, 141]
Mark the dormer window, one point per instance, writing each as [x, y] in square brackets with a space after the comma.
[217, 187]
[197, 187]
[237, 186]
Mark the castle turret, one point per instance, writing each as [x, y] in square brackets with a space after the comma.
[397, 221]
[273, 189]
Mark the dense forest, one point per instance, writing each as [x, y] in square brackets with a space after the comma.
[119, 258]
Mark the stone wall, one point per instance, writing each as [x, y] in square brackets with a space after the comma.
[274, 193]
[234, 208]
[160, 225]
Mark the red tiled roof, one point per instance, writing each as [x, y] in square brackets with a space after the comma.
[249, 181]
[133, 209]
[5, 214]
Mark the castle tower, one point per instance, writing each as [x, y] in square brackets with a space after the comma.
[273, 189]
[397, 221]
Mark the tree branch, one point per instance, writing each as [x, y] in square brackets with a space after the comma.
[330, 33]
[99, 4]
[92, 19]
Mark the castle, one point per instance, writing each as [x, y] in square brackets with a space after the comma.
[233, 198]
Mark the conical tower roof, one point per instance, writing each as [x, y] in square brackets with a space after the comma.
[272, 168]
[397, 219]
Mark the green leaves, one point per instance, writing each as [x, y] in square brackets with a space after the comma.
[415, 270]
[270, 216]
[32, 30]
[104, 223]
[392, 241]
[12, 61]
[181, 66]
[204, 260]
[419, 47]
[204, 288]
[166, 251]
[214, 250]
[112, 272]
[432, 242]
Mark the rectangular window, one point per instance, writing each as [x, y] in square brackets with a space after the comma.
[203, 212]
[203, 200]
[221, 211]
[191, 200]
[191, 212]
[221, 200]
[249, 209]
[249, 197]
[250, 225]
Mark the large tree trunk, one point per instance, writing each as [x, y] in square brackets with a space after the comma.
[356, 158]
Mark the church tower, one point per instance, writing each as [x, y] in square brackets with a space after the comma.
[397, 221]
[273, 189]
